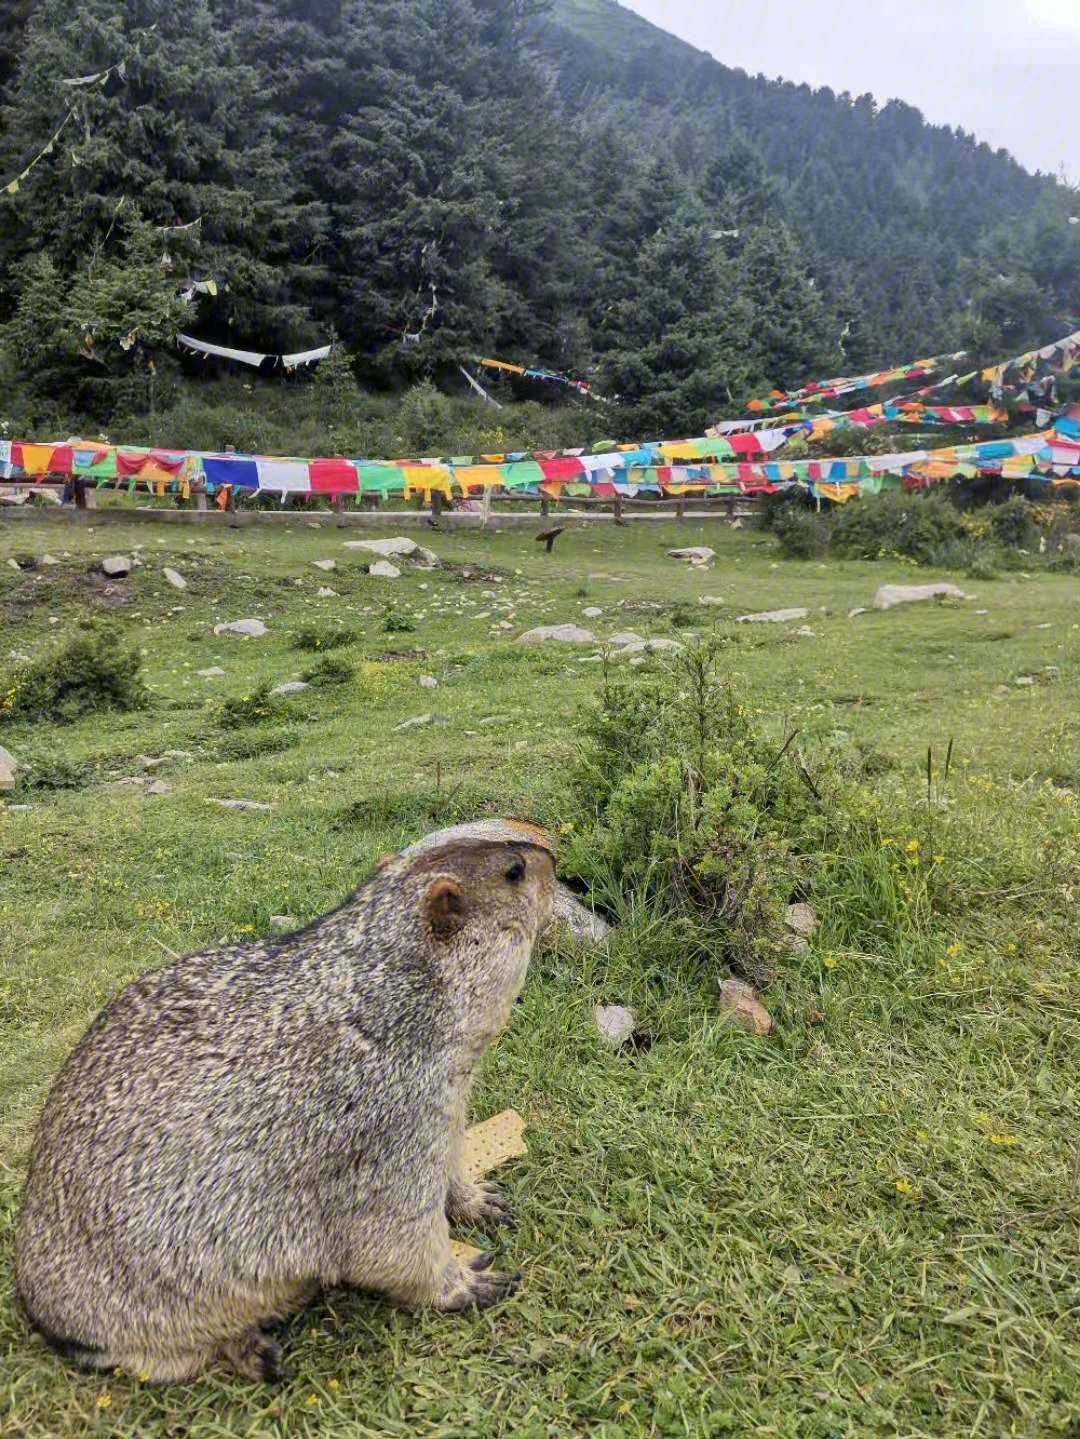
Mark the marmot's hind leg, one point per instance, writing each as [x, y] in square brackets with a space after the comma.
[477, 1206]
[255, 1356]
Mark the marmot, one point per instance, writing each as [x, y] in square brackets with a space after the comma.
[246, 1126]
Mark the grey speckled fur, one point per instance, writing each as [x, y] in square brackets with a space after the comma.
[246, 1126]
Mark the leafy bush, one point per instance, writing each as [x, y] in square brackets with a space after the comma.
[322, 637]
[330, 670]
[248, 709]
[701, 816]
[896, 523]
[47, 776]
[91, 672]
[1013, 524]
[801, 533]
[398, 624]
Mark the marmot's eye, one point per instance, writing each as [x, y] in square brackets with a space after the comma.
[516, 872]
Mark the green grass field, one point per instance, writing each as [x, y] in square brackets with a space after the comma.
[867, 1224]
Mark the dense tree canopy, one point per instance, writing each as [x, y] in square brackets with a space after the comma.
[436, 179]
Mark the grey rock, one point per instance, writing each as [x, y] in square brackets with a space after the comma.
[710, 600]
[626, 637]
[495, 719]
[18, 808]
[184, 754]
[401, 546]
[1025, 680]
[742, 1006]
[773, 616]
[615, 1022]
[428, 682]
[801, 919]
[384, 570]
[239, 803]
[859, 610]
[8, 759]
[574, 918]
[648, 647]
[116, 566]
[13, 564]
[284, 921]
[7, 776]
[562, 634]
[888, 596]
[418, 720]
[290, 687]
[325, 564]
[804, 632]
[159, 787]
[694, 554]
[49, 560]
[213, 673]
[175, 578]
[326, 593]
[242, 629]
[592, 612]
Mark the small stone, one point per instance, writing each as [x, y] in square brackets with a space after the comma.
[742, 1006]
[8, 759]
[7, 777]
[592, 612]
[325, 564]
[494, 719]
[797, 943]
[890, 595]
[132, 780]
[239, 803]
[159, 787]
[149, 761]
[772, 617]
[982, 612]
[576, 919]
[175, 578]
[637, 660]
[184, 754]
[324, 592]
[694, 554]
[859, 610]
[626, 637]
[615, 1022]
[13, 564]
[563, 634]
[18, 808]
[710, 600]
[213, 673]
[801, 919]
[649, 647]
[116, 566]
[49, 560]
[284, 921]
[1000, 690]
[418, 720]
[804, 632]
[384, 570]
[401, 545]
[290, 687]
[1025, 680]
[428, 682]
[242, 629]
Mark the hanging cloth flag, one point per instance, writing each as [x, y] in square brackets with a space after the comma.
[252, 357]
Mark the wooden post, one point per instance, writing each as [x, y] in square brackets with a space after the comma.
[729, 505]
[618, 509]
[200, 500]
[79, 486]
[337, 503]
[485, 506]
[545, 505]
[436, 506]
[680, 509]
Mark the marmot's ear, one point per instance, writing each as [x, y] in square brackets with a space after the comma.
[442, 908]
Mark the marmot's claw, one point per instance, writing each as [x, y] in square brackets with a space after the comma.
[481, 1206]
[482, 1261]
[489, 1288]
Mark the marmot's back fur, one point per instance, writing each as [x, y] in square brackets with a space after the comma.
[244, 1127]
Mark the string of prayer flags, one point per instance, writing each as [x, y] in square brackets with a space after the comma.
[248, 357]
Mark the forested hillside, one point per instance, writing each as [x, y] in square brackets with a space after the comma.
[431, 180]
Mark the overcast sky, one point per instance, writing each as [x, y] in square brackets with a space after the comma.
[1006, 70]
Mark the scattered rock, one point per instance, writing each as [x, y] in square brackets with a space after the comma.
[428, 682]
[576, 918]
[159, 787]
[18, 808]
[495, 719]
[627, 637]
[859, 610]
[384, 570]
[615, 1022]
[710, 600]
[239, 803]
[7, 776]
[1025, 680]
[890, 595]
[13, 564]
[49, 560]
[636, 660]
[694, 555]
[8, 759]
[565, 634]
[116, 566]
[982, 612]
[290, 687]
[742, 1006]
[400, 545]
[801, 919]
[649, 647]
[131, 780]
[149, 761]
[325, 564]
[326, 593]
[772, 617]
[418, 720]
[242, 629]
[213, 673]
[592, 612]
[175, 578]
[184, 754]
[284, 921]
[804, 632]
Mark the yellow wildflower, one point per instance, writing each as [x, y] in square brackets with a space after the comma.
[104, 1400]
[1004, 1139]
[953, 950]
[913, 846]
[904, 1186]
[829, 961]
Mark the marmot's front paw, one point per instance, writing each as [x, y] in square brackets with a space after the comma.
[475, 1286]
[478, 1206]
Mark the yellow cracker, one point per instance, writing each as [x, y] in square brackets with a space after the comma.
[492, 1143]
[465, 1252]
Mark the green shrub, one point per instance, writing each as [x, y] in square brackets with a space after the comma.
[702, 817]
[801, 533]
[322, 637]
[330, 670]
[91, 672]
[909, 523]
[248, 709]
[1013, 525]
[47, 776]
[398, 624]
